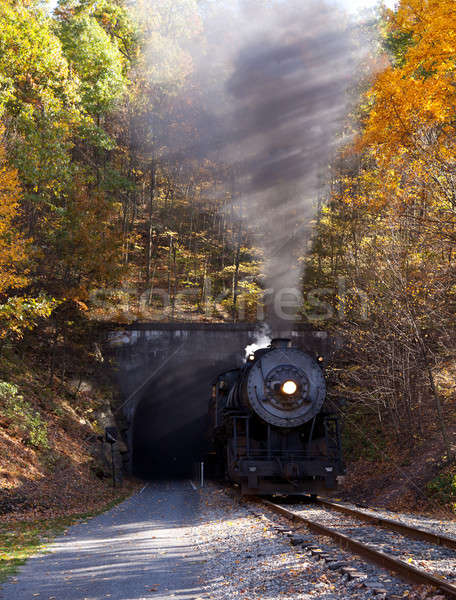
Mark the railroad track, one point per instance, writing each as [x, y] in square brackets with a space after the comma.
[368, 551]
[413, 532]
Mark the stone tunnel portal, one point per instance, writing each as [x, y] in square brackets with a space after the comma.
[165, 373]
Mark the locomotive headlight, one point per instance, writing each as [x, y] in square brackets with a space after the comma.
[289, 387]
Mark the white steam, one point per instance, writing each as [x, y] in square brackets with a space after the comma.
[262, 339]
[263, 104]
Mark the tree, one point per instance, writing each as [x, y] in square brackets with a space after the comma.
[13, 245]
[38, 105]
[388, 230]
[96, 60]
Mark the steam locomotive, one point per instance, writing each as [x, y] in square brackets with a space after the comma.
[273, 430]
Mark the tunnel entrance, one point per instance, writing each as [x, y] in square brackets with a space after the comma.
[164, 373]
[170, 424]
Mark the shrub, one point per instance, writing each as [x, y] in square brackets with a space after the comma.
[21, 416]
[443, 488]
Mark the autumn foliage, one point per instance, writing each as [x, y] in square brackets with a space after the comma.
[13, 245]
[98, 209]
[387, 238]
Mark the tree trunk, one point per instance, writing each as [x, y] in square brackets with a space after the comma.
[234, 288]
[150, 224]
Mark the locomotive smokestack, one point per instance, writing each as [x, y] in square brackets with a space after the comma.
[281, 343]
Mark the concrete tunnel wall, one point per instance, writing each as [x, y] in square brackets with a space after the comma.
[165, 371]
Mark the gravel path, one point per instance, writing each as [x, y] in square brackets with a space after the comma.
[140, 549]
[171, 541]
[251, 556]
[431, 558]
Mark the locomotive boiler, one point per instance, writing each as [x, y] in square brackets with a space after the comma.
[273, 430]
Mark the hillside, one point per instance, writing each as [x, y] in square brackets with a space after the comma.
[54, 401]
[168, 160]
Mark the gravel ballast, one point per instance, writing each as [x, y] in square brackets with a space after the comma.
[433, 559]
[445, 527]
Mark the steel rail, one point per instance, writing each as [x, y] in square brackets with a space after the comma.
[408, 530]
[397, 566]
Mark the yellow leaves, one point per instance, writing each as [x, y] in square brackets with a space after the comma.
[408, 138]
[432, 24]
[421, 91]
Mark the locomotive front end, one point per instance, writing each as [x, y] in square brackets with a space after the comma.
[284, 387]
[277, 431]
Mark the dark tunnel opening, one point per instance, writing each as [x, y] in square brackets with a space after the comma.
[166, 373]
[170, 428]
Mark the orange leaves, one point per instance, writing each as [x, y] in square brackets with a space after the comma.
[408, 137]
[432, 24]
[420, 92]
[90, 240]
[12, 244]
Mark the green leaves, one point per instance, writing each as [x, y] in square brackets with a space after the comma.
[96, 60]
[22, 417]
[38, 103]
[443, 487]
